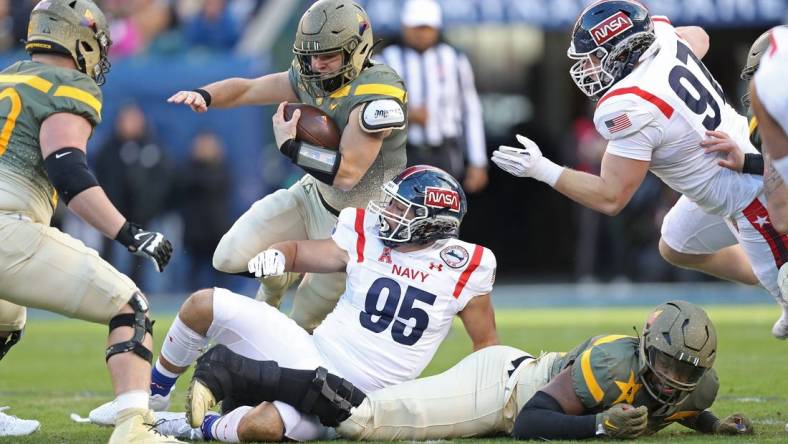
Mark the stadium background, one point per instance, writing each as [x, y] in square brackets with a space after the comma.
[517, 49]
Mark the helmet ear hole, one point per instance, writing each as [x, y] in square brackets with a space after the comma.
[73, 5]
[86, 46]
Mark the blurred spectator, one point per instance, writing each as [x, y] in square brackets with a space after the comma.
[214, 27]
[445, 114]
[133, 170]
[203, 194]
[19, 13]
[135, 23]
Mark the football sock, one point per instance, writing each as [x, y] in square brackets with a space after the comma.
[224, 428]
[182, 345]
[161, 380]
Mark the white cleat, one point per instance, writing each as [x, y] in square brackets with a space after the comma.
[780, 328]
[104, 415]
[13, 426]
[175, 424]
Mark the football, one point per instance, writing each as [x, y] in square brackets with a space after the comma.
[314, 127]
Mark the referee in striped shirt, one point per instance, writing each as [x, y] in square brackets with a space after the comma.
[445, 127]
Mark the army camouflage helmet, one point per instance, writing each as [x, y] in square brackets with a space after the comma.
[678, 346]
[754, 60]
[330, 26]
[75, 28]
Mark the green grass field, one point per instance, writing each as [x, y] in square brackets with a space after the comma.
[58, 368]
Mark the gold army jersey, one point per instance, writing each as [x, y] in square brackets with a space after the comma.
[605, 371]
[29, 93]
[377, 82]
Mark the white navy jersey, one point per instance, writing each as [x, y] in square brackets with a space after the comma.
[660, 113]
[770, 79]
[397, 307]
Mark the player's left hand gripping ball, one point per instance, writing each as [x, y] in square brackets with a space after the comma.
[146, 243]
[735, 424]
[270, 262]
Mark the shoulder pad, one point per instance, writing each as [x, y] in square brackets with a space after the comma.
[620, 115]
[347, 216]
[76, 93]
[381, 115]
[606, 372]
[378, 82]
[476, 266]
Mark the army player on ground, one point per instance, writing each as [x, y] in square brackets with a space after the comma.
[367, 100]
[617, 386]
[48, 108]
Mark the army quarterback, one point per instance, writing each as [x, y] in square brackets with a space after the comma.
[408, 275]
[49, 106]
[333, 71]
[614, 385]
[656, 101]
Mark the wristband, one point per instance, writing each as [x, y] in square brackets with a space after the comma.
[547, 171]
[753, 164]
[205, 95]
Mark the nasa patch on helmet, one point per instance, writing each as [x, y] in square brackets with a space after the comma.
[455, 256]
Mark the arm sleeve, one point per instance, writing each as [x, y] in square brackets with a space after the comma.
[703, 422]
[543, 418]
[473, 122]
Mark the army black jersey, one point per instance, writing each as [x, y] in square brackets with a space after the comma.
[29, 93]
[377, 82]
[606, 371]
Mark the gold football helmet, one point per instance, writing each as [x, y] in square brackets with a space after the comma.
[76, 28]
[330, 26]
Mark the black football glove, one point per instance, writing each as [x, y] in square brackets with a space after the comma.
[146, 243]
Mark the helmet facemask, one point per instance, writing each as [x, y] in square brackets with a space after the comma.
[678, 347]
[332, 26]
[319, 84]
[589, 72]
[597, 70]
[397, 222]
[670, 379]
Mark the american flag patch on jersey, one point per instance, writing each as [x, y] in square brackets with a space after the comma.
[618, 123]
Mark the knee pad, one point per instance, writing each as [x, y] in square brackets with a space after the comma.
[139, 322]
[9, 342]
[230, 375]
[331, 398]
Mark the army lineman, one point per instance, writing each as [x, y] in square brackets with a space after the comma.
[614, 385]
[48, 107]
[331, 70]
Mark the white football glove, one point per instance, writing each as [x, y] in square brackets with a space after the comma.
[527, 162]
[270, 262]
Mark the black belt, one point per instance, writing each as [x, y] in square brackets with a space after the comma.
[328, 207]
[516, 363]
